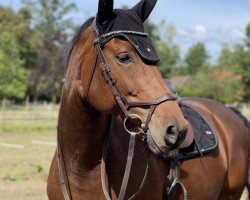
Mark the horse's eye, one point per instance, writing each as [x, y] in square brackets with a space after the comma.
[124, 58]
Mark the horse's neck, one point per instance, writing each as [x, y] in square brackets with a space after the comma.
[80, 131]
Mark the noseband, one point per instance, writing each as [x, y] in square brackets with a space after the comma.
[122, 101]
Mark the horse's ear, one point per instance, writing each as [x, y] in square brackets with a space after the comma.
[144, 8]
[105, 9]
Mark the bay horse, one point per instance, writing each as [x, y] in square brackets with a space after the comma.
[118, 117]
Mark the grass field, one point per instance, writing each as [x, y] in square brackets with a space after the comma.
[27, 144]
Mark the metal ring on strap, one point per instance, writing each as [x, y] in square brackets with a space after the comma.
[135, 117]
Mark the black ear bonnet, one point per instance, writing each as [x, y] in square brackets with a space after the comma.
[128, 24]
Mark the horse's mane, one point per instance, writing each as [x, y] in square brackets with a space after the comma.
[76, 37]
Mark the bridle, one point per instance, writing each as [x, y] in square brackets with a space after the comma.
[121, 100]
[125, 105]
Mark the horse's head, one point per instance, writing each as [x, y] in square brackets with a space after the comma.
[118, 66]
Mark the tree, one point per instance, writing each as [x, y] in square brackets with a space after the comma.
[226, 58]
[237, 60]
[151, 29]
[53, 27]
[196, 58]
[220, 85]
[14, 49]
[246, 65]
[247, 40]
[169, 51]
[241, 67]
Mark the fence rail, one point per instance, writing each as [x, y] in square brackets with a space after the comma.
[28, 118]
[39, 117]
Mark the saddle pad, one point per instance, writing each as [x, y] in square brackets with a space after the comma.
[205, 139]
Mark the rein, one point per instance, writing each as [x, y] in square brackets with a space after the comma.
[126, 172]
[125, 105]
[61, 167]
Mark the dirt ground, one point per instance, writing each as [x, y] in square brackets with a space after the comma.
[23, 171]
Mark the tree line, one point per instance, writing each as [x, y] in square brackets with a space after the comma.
[226, 80]
[34, 41]
[33, 45]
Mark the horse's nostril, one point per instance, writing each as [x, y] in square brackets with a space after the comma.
[170, 130]
[171, 135]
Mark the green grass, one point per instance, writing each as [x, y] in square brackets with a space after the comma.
[34, 126]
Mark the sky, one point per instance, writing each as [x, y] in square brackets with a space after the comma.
[213, 22]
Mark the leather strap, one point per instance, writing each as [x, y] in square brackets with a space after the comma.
[128, 166]
[86, 93]
[175, 177]
[117, 93]
[61, 168]
[126, 172]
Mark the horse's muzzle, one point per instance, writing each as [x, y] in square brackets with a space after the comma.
[174, 136]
